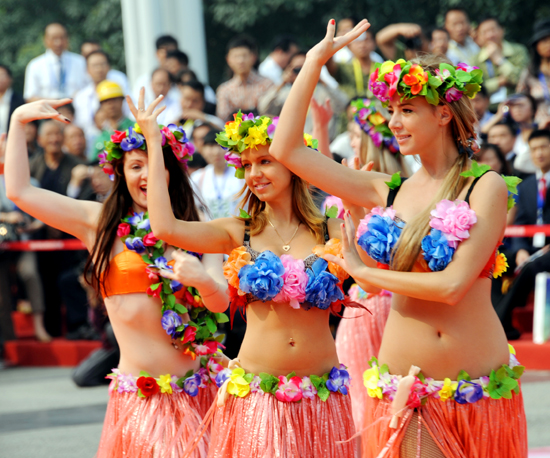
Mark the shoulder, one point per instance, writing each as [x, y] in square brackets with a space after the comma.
[75, 57]
[225, 86]
[37, 61]
[490, 188]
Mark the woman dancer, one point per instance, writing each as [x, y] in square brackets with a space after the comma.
[158, 394]
[442, 320]
[286, 394]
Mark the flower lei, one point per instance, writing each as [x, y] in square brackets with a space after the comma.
[411, 80]
[499, 384]
[373, 123]
[196, 337]
[247, 131]
[132, 138]
[289, 388]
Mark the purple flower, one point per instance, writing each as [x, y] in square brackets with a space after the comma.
[380, 238]
[233, 159]
[135, 244]
[453, 94]
[322, 287]
[465, 67]
[468, 392]
[191, 385]
[102, 158]
[222, 376]
[380, 90]
[338, 381]
[136, 218]
[248, 117]
[437, 252]
[263, 278]
[132, 141]
[205, 378]
[170, 322]
[174, 128]
[376, 137]
[272, 126]
[162, 263]
[255, 385]
[126, 383]
[175, 285]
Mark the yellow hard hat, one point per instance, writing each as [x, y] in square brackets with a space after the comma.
[108, 90]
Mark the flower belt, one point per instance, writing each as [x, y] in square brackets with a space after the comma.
[413, 390]
[235, 381]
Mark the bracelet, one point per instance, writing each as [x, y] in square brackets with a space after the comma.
[212, 293]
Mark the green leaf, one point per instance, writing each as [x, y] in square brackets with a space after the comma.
[140, 394]
[155, 286]
[501, 374]
[331, 212]
[188, 374]
[512, 183]
[506, 394]
[384, 369]
[170, 300]
[462, 76]
[476, 170]
[450, 68]
[158, 244]
[248, 377]
[179, 308]
[433, 81]
[166, 288]
[180, 382]
[219, 338]
[511, 202]
[518, 371]
[211, 325]
[292, 374]
[180, 328]
[144, 374]
[509, 384]
[373, 361]
[395, 181]
[146, 258]
[432, 96]
[463, 375]
[421, 377]
[243, 214]
[317, 381]
[221, 318]
[323, 394]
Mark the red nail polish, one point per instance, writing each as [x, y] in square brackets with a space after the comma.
[332, 21]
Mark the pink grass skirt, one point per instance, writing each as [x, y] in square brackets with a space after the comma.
[358, 339]
[155, 427]
[260, 426]
[485, 429]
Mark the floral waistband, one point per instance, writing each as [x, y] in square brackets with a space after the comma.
[499, 384]
[289, 388]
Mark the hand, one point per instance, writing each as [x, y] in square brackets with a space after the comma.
[493, 52]
[13, 217]
[193, 113]
[321, 113]
[147, 118]
[79, 173]
[188, 270]
[326, 48]
[288, 76]
[521, 257]
[409, 30]
[42, 109]
[351, 262]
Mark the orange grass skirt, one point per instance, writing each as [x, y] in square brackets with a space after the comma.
[260, 426]
[358, 338]
[155, 427]
[488, 428]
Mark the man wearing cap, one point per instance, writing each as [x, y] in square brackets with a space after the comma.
[110, 116]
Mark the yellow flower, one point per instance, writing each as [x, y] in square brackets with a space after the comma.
[376, 119]
[370, 380]
[387, 67]
[448, 389]
[501, 265]
[256, 136]
[232, 130]
[137, 128]
[308, 140]
[511, 349]
[164, 383]
[237, 385]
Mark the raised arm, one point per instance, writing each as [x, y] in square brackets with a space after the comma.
[202, 237]
[450, 285]
[364, 189]
[75, 217]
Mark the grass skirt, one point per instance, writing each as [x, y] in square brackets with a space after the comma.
[155, 427]
[260, 426]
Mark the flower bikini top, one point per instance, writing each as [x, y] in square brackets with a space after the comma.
[303, 283]
[450, 223]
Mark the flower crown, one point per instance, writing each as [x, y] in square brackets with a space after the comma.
[411, 80]
[132, 138]
[373, 123]
[249, 131]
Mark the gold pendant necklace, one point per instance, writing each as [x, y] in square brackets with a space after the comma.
[286, 246]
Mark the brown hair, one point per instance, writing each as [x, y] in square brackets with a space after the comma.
[118, 204]
[384, 160]
[302, 204]
[462, 128]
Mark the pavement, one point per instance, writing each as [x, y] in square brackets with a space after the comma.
[43, 414]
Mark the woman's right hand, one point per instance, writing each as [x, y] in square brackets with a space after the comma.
[41, 109]
[147, 118]
[327, 47]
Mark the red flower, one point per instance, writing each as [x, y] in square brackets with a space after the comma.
[149, 239]
[123, 229]
[147, 385]
[154, 293]
[152, 275]
[118, 136]
[189, 334]
[189, 299]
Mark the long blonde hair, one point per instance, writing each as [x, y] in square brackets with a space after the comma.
[462, 128]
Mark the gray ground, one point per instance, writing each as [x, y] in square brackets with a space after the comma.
[43, 414]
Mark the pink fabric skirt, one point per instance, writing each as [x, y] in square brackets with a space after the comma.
[358, 339]
[159, 426]
[260, 426]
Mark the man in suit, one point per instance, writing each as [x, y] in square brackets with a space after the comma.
[9, 100]
[533, 207]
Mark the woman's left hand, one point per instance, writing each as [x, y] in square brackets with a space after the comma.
[188, 270]
[147, 117]
[351, 262]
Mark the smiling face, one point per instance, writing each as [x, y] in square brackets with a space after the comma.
[415, 124]
[136, 169]
[268, 179]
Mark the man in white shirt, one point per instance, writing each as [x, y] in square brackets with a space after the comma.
[161, 84]
[89, 46]
[461, 46]
[57, 73]
[9, 100]
[284, 47]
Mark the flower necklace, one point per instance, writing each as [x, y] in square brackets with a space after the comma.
[196, 337]
[286, 246]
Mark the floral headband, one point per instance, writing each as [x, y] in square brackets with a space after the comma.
[373, 123]
[248, 131]
[132, 138]
[411, 80]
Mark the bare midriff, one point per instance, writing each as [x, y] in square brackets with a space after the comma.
[144, 345]
[444, 339]
[280, 339]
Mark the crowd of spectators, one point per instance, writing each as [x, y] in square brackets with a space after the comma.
[513, 112]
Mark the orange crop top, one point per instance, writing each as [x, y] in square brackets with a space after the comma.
[127, 275]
